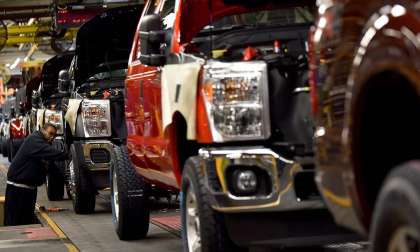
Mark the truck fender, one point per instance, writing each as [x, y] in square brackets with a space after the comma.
[179, 93]
[39, 118]
[71, 114]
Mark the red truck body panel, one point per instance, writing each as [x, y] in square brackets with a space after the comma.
[16, 129]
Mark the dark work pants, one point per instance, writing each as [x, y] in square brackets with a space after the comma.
[19, 207]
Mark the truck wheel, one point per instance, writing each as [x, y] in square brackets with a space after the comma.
[67, 178]
[129, 198]
[203, 229]
[1, 143]
[10, 150]
[396, 218]
[4, 148]
[82, 191]
[67, 186]
[55, 182]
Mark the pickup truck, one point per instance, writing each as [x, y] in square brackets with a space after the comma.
[46, 106]
[13, 130]
[218, 108]
[94, 119]
[365, 80]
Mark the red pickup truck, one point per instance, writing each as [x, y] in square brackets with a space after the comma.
[365, 75]
[218, 107]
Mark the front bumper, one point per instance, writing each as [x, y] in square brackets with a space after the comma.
[281, 195]
[96, 157]
[96, 154]
[287, 229]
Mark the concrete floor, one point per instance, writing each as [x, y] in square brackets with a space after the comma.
[95, 232]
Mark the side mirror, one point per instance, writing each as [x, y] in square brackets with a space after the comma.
[151, 36]
[64, 81]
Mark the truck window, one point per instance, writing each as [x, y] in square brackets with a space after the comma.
[153, 7]
[168, 14]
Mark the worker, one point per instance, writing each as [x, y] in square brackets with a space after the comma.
[26, 172]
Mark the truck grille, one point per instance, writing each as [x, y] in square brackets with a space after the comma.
[100, 156]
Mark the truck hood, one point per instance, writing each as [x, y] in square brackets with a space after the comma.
[33, 85]
[23, 95]
[50, 72]
[103, 44]
[196, 14]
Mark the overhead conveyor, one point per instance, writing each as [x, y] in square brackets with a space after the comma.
[19, 34]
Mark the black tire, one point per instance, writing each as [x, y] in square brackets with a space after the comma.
[55, 181]
[131, 198]
[5, 148]
[397, 209]
[56, 176]
[82, 190]
[1, 143]
[212, 230]
[9, 150]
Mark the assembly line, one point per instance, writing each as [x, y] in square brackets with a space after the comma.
[211, 125]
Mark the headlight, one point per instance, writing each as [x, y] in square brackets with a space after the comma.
[96, 118]
[56, 118]
[236, 98]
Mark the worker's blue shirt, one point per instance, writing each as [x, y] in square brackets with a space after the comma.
[27, 166]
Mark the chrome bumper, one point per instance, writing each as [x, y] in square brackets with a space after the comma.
[281, 171]
[88, 146]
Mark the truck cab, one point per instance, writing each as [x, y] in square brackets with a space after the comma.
[46, 106]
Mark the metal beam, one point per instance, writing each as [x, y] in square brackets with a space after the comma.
[27, 7]
[12, 41]
[25, 15]
[24, 29]
[16, 12]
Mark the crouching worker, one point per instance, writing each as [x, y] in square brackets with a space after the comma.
[26, 173]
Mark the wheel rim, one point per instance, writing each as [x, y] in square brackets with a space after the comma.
[192, 221]
[404, 239]
[72, 181]
[115, 195]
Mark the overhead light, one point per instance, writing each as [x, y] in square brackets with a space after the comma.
[31, 21]
[7, 65]
[398, 10]
[14, 65]
[381, 22]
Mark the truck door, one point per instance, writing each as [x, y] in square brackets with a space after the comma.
[155, 144]
[139, 79]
